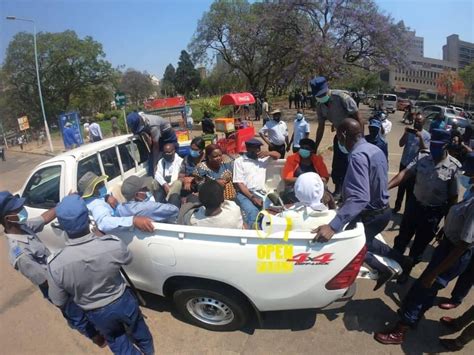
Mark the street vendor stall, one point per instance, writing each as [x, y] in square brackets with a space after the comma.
[237, 129]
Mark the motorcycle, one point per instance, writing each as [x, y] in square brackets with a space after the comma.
[407, 117]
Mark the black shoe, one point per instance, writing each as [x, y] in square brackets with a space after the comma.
[403, 278]
[384, 276]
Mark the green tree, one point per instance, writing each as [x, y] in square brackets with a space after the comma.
[467, 76]
[187, 77]
[67, 64]
[249, 38]
[138, 86]
[167, 83]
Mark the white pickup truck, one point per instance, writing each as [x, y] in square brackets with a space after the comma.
[217, 278]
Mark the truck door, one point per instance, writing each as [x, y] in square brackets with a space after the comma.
[42, 192]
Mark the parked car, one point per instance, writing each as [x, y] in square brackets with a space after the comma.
[387, 102]
[460, 122]
[438, 109]
[212, 275]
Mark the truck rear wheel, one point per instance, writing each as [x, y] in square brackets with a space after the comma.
[217, 309]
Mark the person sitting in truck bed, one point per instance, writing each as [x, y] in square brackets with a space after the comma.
[137, 192]
[167, 173]
[215, 211]
[92, 189]
[304, 161]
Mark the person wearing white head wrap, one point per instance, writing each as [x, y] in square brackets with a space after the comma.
[309, 190]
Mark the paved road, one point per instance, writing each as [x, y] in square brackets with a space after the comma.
[30, 325]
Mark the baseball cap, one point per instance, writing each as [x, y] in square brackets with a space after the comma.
[132, 185]
[309, 190]
[9, 202]
[440, 135]
[253, 143]
[319, 85]
[88, 182]
[134, 122]
[72, 214]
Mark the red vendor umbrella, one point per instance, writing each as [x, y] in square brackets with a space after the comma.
[237, 99]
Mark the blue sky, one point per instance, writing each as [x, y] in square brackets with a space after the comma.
[149, 34]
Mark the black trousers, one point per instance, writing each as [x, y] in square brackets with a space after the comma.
[278, 148]
[419, 221]
[405, 188]
[339, 166]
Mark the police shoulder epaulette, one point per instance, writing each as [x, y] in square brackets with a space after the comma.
[455, 161]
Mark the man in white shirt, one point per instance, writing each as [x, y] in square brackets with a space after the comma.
[249, 176]
[300, 131]
[215, 211]
[95, 132]
[265, 110]
[167, 172]
[275, 134]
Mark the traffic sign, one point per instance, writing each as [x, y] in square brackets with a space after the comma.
[120, 99]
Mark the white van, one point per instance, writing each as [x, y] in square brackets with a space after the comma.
[387, 102]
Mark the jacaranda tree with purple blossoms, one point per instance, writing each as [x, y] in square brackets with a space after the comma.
[280, 42]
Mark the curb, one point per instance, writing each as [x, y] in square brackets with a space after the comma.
[49, 154]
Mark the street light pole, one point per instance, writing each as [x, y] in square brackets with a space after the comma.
[46, 127]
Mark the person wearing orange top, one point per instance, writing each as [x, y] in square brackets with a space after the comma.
[304, 161]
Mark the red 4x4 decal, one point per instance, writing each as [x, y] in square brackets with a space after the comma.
[306, 259]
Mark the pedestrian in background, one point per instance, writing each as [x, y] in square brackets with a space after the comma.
[265, 110]
[86, 131]
[275, 134]
[301, 130]
[115, 126]
[20, 141]
[95, 132]
[413, 140]
[334, 106]
[291, 98]
[95, 283]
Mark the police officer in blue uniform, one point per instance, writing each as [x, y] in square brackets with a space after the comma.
[29, 255]
[88, 270]
[449, 260]
[466, 279]
[435, 190]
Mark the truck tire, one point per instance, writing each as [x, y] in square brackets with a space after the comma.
[214, 308]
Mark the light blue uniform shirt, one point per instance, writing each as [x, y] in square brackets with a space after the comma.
[158, 212]
[104, 217]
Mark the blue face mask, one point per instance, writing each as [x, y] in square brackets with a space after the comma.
[342, 148]
[22, 215]
[304, 153]
[102, 191]
[194, 153]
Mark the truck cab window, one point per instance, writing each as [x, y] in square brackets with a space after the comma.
[88, 164]
[42, 190]
[110, 163]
